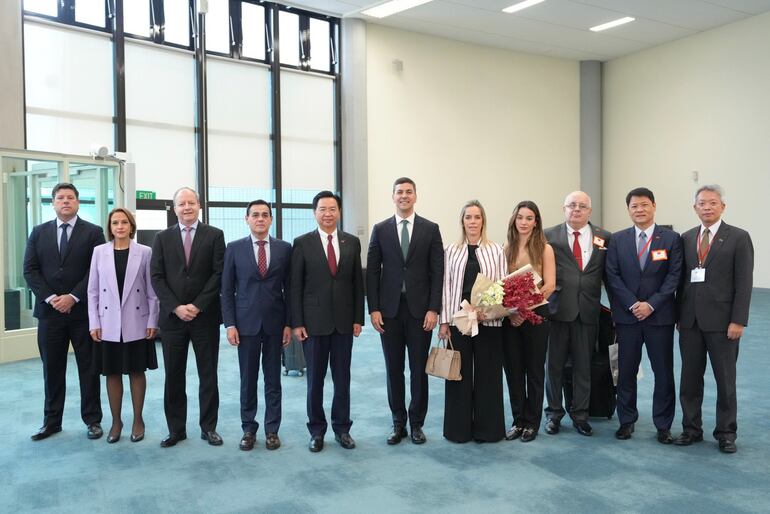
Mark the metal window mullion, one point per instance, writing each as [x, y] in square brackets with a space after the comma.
[201, 121]
[119, 75]
[275, 78]
[337, 112]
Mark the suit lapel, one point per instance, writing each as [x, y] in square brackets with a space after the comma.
[178, 245]
[716, 245]
[273, 256]
[320, 248]
[342, 237]
[594, 250]
[132, 268]
[200, 234]
[73, 237]
[563, 242]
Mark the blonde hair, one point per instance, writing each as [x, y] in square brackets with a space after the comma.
[463, 238]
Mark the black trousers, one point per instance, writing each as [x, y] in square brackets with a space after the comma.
[575, 340]
[403, 336]
[694, 345]
[524, 351]
[53, 339]
[322, 352]
[249, 352]
[659, 340]
[204, 335]
[473, 406]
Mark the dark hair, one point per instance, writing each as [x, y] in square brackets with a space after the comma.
[64, 185]
[131, 221]
[639, 191]
[326, 194]
[404, 180]
[536, 242]
[259, 202]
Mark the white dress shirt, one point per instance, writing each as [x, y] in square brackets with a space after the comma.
[194, 231]
[335, 243]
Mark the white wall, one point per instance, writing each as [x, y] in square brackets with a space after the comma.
[467, 121]
[697, 104]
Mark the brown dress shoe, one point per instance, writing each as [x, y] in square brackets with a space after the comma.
[272, 442]
[247, 441]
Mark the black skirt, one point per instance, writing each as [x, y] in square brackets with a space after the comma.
[120, 358]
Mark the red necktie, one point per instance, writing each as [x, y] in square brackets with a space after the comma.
[576, 251]
[262, 258]
[331, 257]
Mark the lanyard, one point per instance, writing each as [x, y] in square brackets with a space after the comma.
[644, 249]
[702, 258]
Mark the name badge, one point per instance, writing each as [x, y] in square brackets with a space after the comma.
[698, 275]
[659, 255]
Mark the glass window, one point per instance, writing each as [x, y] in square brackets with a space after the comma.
[253, 24]
[232, 221]
[297, 222]
[319, 44]
[47, 7]
[136, 17]
[218, 27]
[90, 12]
[289, 38]
[177, 29]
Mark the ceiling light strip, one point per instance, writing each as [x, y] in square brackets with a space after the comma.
[393, 7]
[610, 24]
[521, 5]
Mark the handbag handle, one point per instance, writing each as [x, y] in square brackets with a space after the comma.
[443, 343]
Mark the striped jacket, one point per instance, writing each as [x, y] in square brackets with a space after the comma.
[492, 263]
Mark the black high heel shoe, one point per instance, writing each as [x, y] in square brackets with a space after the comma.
[135, 438]
[111, 439]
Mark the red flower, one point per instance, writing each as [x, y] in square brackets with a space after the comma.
[520, 293]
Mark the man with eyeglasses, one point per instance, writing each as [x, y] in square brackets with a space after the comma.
[580, 249]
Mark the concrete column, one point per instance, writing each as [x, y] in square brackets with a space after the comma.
[12, 73]
[591, 135]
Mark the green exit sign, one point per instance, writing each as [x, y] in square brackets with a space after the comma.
[145, 195]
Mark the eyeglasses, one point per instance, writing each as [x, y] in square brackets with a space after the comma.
[577, 206]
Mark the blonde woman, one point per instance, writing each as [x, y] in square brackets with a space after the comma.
[524, 344]
[473, 407]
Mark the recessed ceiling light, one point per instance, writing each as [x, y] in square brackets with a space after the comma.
[610, 24]
[393, 7]
[521, 5]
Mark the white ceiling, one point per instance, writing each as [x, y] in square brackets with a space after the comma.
[557, 28]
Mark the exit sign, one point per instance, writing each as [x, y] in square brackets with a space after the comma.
[145, 195]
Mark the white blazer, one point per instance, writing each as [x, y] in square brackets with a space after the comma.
[492, 263]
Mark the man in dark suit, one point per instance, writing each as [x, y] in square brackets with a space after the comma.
[644, 265]
[714, 309]
[186, 266]
[56, 264]
[580, 248]
[404, 273]
[327, 311]
[255, 312]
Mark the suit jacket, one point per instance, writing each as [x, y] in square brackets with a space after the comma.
[198, 283]
[421, 272]
[137, 311]
[725, 295]
[578, 292]
[656, 284]
[249, 301]
[47, 274]
[319, 302]
[492, 264]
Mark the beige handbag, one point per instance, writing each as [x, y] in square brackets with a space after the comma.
[444, 362]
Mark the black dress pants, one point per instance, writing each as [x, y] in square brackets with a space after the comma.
[473, 406]
[249, 352]
[575, 340]
[321, 352]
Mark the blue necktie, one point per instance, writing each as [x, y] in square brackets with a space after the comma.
[63, 241]
[642, 249]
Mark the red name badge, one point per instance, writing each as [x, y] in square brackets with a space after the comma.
[659, 255]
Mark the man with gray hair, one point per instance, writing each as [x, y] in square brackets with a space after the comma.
[714, 303]
[580, 249]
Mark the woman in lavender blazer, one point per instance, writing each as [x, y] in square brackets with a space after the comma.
[123, 317]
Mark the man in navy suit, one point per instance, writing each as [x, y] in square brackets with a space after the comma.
[404, 273]
[255, 312]
[56, 264]
[327, 311]
[644, 265]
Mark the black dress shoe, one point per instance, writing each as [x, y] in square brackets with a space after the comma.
[398, 433]
[171, 439]
[345, 441]
[247, 441]
[726, 446]
[316, 444]
[625, 431]
[94, 431]
[583, 428]
[272, 442]
[686, 439]
[212, 437]
[665, 437]
[418, 436]
[513, 433]
[528, 435]
[552, 426]
[44, 432]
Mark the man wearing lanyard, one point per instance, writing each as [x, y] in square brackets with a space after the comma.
[714, 309]
[644, 265]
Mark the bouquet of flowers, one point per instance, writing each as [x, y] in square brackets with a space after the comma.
[520, 294]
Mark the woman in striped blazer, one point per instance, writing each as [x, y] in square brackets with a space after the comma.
[473, 406]
[525, 344]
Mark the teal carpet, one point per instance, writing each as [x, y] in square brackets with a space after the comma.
[562, 473]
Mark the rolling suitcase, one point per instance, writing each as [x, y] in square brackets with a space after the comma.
[293, 357]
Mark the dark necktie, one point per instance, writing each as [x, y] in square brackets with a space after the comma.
[704, 246]
[404, 238]
[641, 249]
[331, 256]
[187, 245]
[262, 258]
[63, 241]
[576, 251]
